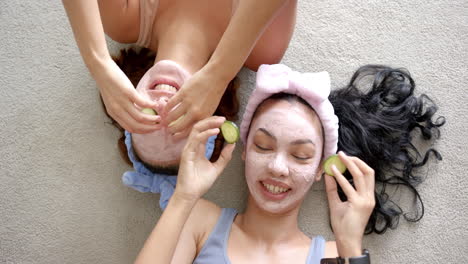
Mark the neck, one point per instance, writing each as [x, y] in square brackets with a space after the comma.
[183, 55]
[269, 228]
[182, 45]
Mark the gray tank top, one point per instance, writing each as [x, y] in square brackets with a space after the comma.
[214, 251]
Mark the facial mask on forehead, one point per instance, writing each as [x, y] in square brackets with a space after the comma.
[314, 88]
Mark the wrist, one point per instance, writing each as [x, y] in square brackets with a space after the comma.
[184, 198]
[223, 72]
[349, 249]
[363, 258]
[97, 62]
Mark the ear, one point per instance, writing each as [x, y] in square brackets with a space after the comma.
[319, 173]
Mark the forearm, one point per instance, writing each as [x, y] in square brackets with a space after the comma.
[251, 18]
[161, 244]
[87, 28]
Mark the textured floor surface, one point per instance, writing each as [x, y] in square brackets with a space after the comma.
[61, 199]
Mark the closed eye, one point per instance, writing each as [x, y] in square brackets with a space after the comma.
[301, 158]
[262, 148]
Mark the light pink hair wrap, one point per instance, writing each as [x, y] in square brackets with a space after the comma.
[314, 88]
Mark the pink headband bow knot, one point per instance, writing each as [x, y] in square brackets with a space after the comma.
[314, 88]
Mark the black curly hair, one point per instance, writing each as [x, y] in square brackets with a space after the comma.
[379, 121]
[379, 115]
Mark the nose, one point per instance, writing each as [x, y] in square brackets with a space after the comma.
[278, 166]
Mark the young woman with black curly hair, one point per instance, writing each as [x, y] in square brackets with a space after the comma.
[290, 125]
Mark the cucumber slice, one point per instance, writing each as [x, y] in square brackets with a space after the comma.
[177, 120]
[230, 132]
[333, 160]
[149, 111]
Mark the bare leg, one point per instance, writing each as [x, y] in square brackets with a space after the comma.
[273, 43]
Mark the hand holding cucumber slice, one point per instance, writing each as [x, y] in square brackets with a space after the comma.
[149, 111]
[230, 132]
[333, 160]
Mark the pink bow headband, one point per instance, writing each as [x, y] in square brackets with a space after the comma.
[314, 88]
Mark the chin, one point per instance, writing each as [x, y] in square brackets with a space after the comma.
[275, 206]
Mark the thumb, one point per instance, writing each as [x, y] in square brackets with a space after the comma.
[332, 191]
[225, 157]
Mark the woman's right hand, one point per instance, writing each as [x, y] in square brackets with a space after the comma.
[122, 101]
[196, 173]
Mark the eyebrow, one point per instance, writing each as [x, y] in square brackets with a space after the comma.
[267, 133]
[296, 142]
[302, 141]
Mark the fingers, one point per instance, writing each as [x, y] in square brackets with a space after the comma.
[205, 129]
[141, 117]
[202, 138]
[175, 115]
[181, 124]
[369, 174]
[184, 134]
[211, 122]
[343, 182]
[364, 181]
[196, 144]
[131, 125]
[332, 191]
[139, 100]
[358, 179]
[130, 117]
[225, 157]
[173, 102]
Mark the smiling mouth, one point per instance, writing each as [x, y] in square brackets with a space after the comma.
[275, 189]
[164, 87]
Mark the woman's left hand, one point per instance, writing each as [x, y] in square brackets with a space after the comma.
[197, 99]
[349, 218]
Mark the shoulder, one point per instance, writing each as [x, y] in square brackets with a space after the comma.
[202, 221]
[330, 249]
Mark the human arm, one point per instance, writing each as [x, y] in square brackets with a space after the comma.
[349, 218]
[118, 93]
[196, 175]
[199, 97]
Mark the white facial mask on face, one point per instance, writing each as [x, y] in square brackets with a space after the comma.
[158, 84]
[288, 126]
[287, 123]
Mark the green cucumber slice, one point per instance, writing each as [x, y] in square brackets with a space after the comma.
[230, 132]
[149, 111]
[333, 160]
